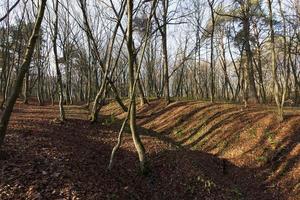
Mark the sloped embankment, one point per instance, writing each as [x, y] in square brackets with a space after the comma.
[45, 159]
[249, 138]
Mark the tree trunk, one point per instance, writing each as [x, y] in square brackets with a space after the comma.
[25, 92]
[251, 94]
[132, 118]
[89, 34]
[4, 120]
[58, 73]
[212, 76]
[274, 64]
[166, 84]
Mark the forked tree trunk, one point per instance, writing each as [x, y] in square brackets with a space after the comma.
[132, 118]
[100, 96]
[132, 87]
[4, 120]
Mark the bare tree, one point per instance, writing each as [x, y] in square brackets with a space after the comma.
[133, 76]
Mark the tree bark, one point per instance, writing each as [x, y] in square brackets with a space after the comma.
[276, 85]
[58, 73]
[132, 118]
[212, 80]
[4, 120]
[251, 89]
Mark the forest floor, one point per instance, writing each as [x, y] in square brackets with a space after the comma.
[196, 150]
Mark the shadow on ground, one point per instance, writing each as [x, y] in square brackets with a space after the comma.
[250, 138]
[68, 160]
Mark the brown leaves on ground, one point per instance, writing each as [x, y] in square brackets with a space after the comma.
[248, 137]
[43, 159]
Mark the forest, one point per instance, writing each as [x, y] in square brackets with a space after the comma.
[150, 99]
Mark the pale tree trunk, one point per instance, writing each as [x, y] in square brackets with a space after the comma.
[100, 95]
[39, 74]
[4, 120]
[25, 92]
[165, 52]
[39, 96]
[285, 63]
[276, 85]
[67, 68]
[132, 86]
[58, 73]
[89, 76]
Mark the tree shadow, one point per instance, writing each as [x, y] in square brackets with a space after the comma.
[229, 126]
[205, 122]
[234, 131]
[159, 111]
[283, 159]
[253, 186]
[230, 118]
[70, 160]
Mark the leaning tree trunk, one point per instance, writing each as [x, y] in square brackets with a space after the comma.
[4, 120]
[101, 93]
[89, 34]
